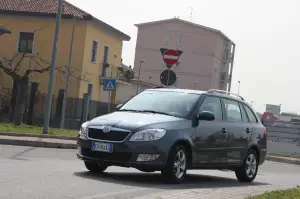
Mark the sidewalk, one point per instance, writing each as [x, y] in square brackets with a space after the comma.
[63, 142]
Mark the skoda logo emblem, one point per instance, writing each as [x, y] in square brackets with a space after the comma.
[106, 129]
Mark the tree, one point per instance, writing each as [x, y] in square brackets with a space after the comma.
[16, 68]
[126, 73]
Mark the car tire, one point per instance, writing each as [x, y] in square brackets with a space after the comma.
[94, 167]
[248, 171]
[175, 170]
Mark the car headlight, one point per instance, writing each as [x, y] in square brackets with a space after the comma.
[148, 135]
[83, 131]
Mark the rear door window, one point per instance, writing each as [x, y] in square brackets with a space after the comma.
[250, 114]
[244, 114]
[232, 110]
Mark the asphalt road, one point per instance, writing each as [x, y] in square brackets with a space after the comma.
[42, 173]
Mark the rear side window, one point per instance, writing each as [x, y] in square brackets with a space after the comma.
[244, 115]
[212, 104]
[250, 114]
[233, 111]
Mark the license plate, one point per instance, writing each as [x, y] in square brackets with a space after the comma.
[103, 147]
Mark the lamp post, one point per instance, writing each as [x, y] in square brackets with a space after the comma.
[48, 106]
[63, 114]
[239, 83]
[196, 84]
[138, 78]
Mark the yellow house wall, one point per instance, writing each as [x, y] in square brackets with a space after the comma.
[104, 38]
[43, 43]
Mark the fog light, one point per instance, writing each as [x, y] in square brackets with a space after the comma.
[147, 157]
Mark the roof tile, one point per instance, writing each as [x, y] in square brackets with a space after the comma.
[40, 6]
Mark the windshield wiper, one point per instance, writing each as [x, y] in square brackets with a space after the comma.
[158, 112]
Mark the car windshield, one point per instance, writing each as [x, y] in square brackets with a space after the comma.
[177, 104]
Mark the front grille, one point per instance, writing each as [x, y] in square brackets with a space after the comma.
[117, 156]
[110, 136]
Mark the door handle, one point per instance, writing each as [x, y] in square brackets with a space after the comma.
[224, 130]
[259, 137]
[248, 130]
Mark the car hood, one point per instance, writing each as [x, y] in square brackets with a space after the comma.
[131, 120]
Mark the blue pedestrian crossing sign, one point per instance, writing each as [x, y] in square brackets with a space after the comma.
[109, 84]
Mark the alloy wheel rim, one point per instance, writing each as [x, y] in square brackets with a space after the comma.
[251, 165]
[179, 164]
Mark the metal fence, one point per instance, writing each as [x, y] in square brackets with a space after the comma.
[283, 140]
[73, 111]
[281, 134]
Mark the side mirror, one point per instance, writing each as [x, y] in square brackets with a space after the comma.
[119, 106]
[206, 115]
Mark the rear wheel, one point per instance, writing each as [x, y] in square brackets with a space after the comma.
[95, 168]
[175, 170]
[248, 171]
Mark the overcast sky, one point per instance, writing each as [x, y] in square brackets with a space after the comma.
[266, 33]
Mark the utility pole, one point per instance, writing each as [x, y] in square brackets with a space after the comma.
[138, 78]
[62, 122]
[47, 111]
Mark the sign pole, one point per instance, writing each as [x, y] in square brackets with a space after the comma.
[168, 77]
[108, 103]
[109, 85]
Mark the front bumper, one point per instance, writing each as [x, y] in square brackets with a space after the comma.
[125, 154]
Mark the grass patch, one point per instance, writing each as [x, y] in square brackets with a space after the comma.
[293, 193]
[23, 128]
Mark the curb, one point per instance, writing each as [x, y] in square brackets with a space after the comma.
[281, 159]
[39, 136]
[38, 144]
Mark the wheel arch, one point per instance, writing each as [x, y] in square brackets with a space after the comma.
[189, 147]
[256, 149]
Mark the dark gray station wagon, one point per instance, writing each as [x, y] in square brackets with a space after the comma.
[172, 130]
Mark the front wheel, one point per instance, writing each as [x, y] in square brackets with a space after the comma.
[175, 170]
[94, 167]
[248, 171]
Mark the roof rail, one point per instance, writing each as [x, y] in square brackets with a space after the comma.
[224, 92]
[159, 87]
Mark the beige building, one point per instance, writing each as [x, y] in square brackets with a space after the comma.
[206, 61]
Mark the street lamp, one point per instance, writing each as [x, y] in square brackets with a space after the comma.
[68, 74]
[239, 83]
[138, 78]
[47, 111]
[196, 84]
[4, 31]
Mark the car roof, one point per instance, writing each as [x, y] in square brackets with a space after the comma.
[213, 92]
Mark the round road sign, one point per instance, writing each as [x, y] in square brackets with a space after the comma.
[168, 81]
[170, 57]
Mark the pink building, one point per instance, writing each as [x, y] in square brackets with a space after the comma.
[206, 61]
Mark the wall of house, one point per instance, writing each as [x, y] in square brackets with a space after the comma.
[104, 38]
[43, 43]
[200, 61]
[128, 90]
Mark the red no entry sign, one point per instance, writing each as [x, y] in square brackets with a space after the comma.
[170, 57]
